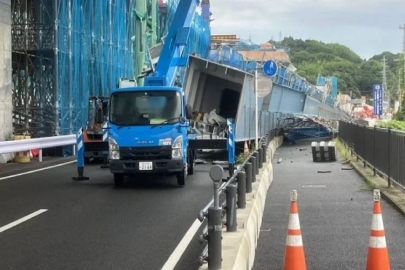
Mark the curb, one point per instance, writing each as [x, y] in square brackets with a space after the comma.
[239, 248]
[384, 194]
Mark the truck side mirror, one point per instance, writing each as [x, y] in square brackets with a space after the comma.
[182, 120]
[189, 111]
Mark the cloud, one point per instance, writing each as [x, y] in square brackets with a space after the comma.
[366, 26]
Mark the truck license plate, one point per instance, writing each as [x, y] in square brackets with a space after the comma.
[145, 166]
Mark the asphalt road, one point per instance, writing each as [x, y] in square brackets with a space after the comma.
[92, 225]
[335, 220]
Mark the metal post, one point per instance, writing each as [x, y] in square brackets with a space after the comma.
[389, 157]
[241, 190]
[253, 161]
[374, 169]
[40, 155]
[256, 155]
[264, 147]
[364, 147]
[215, 223]
[260, 150]
[248, 171]
[80, 157]
[231, 208]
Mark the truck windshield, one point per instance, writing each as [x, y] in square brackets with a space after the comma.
[145, 108]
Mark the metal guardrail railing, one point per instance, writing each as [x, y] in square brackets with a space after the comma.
[382, 149]
[224, 214]
[37, 143]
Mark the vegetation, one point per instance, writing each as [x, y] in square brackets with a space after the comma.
[242, 157]
[355, 75]
[344, 152]
[394, 124]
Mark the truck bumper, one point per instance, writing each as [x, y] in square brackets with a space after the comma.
[158, 166]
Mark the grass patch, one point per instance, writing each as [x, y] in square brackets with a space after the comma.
[342, 149]
[241, 157]
[345, 152]
[370, 182]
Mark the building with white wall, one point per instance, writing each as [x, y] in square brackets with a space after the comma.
[6, 107]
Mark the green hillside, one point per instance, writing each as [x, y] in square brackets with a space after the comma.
[355, 75]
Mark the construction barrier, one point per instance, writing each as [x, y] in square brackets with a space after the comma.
[323, 152]
[377, 258]
[294, 257]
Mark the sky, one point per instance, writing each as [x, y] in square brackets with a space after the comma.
[368, 27]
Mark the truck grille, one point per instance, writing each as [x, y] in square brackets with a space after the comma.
[146, 153]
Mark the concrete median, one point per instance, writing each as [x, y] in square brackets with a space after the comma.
[239, 248]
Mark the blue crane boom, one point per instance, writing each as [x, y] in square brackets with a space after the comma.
[171, 57]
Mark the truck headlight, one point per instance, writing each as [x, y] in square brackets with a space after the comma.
[177, 148]
[113, 149]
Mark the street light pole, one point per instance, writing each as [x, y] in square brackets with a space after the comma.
[256, 113]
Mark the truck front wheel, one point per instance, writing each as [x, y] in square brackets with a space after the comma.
[181, 178]
[118, 179]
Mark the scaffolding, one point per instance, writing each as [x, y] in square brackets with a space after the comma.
[64, 51]
[67, 50]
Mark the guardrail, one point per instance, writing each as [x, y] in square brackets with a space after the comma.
[37, 143]
[235, 190]
[382, 149]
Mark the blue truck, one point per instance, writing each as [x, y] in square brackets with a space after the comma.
[149, 126]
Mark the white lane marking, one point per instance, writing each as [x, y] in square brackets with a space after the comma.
[21, 220]
[181, 247]
[38, 170]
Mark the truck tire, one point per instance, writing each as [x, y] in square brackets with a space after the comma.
[118, 179]
[190, 167]
[181, 178]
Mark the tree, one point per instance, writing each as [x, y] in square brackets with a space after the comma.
[355, 75]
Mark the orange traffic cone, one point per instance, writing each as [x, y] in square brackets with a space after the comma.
[246, 150]
[377, 258]
[294, 257]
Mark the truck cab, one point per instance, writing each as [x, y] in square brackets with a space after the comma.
[148, 132]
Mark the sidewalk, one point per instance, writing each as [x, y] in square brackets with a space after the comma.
[335, 211]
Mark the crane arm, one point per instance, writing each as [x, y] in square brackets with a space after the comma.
[171, 57]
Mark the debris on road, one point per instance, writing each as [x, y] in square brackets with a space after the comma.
[279, 160]
[303, 149]
[324, 171]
